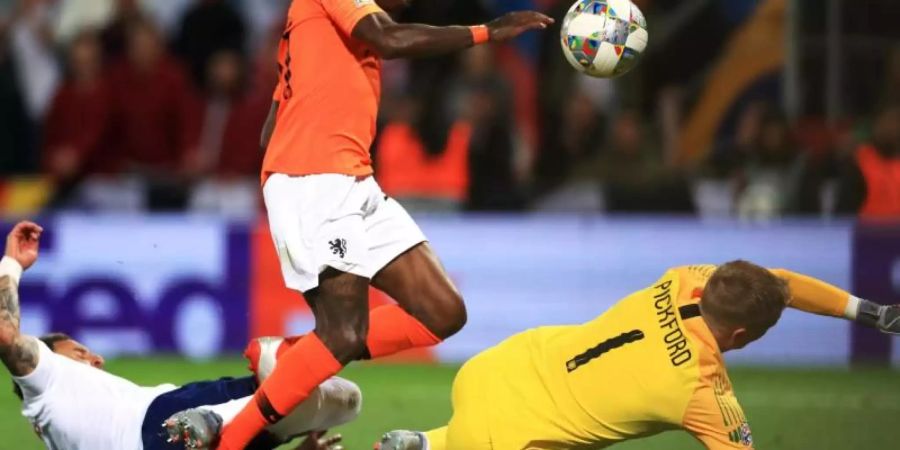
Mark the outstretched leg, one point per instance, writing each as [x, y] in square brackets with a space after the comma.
[429, 308]
[468, 427]
[340, 306]
[335, 402]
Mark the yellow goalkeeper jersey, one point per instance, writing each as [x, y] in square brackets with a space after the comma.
[647, 365]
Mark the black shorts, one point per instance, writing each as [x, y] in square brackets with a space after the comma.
[189, 396]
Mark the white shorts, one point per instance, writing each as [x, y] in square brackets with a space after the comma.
[337, 221]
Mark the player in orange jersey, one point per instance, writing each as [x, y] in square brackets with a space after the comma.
[335, 231]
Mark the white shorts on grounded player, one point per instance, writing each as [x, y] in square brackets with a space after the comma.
[338, 221]
[333, 403]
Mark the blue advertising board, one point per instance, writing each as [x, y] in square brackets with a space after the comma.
[182, 284]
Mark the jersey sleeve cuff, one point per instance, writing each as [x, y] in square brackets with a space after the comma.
[10, 267]
[852, 309]
[361, 14]
[35, 383]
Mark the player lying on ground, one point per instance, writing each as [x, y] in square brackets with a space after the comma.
[335, 231]
[651, 363]
[74, 405]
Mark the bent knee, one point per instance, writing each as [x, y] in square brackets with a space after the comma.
[447, 315]
[346, 342]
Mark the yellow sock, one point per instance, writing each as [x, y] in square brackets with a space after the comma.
[437, 439]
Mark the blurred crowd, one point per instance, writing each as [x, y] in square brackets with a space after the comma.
[158, 104]
[132, 105]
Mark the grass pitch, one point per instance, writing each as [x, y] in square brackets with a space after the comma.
[788, 409]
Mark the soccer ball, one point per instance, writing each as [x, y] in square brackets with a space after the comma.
[604, 38]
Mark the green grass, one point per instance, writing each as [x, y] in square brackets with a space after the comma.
[788, 409]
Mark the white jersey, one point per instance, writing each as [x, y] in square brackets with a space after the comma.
[78, 407]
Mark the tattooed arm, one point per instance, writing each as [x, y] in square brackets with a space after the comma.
[18, 352]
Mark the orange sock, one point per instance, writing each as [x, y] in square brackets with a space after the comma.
[301, 369]
[391, 329]
[234, 435]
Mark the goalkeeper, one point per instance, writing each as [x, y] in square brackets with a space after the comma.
[651, 363]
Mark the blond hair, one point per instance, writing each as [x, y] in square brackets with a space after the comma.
[740, 294]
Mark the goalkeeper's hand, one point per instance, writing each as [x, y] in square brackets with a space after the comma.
[889, 319]
[871, 314]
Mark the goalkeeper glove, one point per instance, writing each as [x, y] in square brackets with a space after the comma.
[884, 318]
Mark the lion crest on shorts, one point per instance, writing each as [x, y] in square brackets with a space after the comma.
[338, 247]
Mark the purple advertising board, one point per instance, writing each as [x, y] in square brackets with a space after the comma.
[137, 285]
[133, 284]
[876, 276]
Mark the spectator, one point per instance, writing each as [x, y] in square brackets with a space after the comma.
[14, 124]
[208, 26]
[484, 98]
[624, 172]
[232, 119]
[870, 184]
[229, 154]
[576, 138]
[423, 180]
[33, 51]
[632, 170]
[76, 133]
[767, 165]
[571, 141]
[154, 129]
[892, 77]
[114, 34]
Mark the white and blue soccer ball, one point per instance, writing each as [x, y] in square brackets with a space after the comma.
[604, 38]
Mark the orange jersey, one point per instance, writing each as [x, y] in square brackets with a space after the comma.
[328, 92]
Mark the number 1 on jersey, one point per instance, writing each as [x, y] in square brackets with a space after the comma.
[603, 347]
